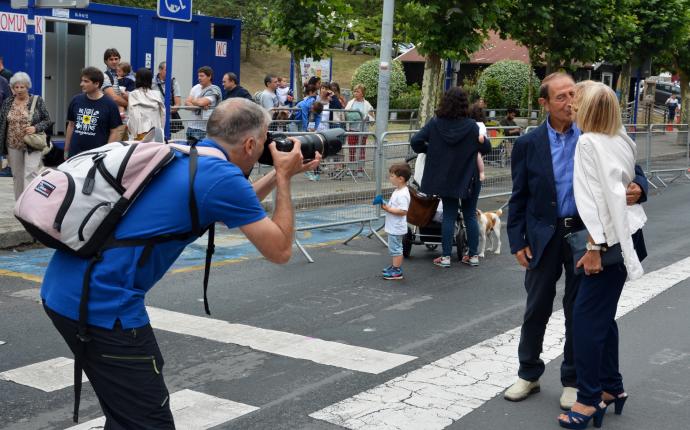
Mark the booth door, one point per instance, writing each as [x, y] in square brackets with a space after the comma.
[102, 37]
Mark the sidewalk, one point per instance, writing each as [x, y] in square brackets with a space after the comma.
[11, 231]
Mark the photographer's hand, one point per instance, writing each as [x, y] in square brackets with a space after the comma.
[287, 164]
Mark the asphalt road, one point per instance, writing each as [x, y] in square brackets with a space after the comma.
[341, 298]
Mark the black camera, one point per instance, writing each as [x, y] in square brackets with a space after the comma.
[327, 143]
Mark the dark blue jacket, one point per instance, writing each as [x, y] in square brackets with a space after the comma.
[451, 147]
[238, 91]
[533, 206]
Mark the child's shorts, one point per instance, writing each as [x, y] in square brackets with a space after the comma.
[395, 247]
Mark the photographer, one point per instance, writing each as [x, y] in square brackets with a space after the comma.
[131, 390]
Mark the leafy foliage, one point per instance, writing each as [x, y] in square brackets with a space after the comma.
[512, 78]
[408, 99]
[368, 75]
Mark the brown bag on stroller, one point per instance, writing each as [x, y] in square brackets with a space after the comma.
[422, 208]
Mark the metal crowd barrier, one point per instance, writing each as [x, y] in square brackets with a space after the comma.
[667, 154]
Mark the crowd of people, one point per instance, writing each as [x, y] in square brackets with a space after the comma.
[118, 104]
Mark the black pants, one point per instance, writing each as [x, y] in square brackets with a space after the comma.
[540, 284]
[125, 370]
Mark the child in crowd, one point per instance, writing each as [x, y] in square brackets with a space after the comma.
[396, 218]
[124, 70]
[477, 114]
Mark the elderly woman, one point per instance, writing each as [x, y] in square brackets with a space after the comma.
[15, 123]
[604, 168]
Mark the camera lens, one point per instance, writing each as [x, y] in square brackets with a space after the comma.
[328, 143]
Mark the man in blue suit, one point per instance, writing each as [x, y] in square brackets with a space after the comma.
[542, 212]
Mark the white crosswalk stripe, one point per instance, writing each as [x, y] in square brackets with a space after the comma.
[278, 342]
[442, 392]
[50, 375]
[192, 411]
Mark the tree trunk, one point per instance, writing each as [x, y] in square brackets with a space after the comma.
[247, 46]
[431, 87]
[624, 86]
[297, 85]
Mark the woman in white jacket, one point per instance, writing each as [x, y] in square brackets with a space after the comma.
[145, 108]
[604, 167]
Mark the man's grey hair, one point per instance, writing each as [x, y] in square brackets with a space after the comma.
[161, 65]
[235, 119]
[20, 78]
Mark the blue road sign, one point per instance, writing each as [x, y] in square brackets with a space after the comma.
[175, 10]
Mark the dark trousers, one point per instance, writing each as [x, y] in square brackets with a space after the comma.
[125, 370]
[540, 284]
[595, 334]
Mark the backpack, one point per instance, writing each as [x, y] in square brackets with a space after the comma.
[77, 206]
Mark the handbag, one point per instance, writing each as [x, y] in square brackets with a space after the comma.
[422, 207]
[578, 245]
[36, 140]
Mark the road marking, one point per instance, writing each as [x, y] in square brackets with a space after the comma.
[26, 276]
[50, 375]
[278, 342]
[440, 393]
[191, 410]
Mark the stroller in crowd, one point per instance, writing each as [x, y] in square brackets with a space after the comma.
[429, 234]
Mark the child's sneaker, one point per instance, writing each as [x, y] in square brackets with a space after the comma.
[387, 269]
[442, 261]
[393, 274]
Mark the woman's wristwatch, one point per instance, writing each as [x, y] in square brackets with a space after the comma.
[592, 247]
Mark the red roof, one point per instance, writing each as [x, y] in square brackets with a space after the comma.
[493, 50]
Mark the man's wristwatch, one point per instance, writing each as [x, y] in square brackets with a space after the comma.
[592, 247]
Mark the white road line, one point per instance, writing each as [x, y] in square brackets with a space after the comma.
[192, 410]
[440, 393]
[48, 376]
[278, 342]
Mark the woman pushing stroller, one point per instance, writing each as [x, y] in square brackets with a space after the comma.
[451, 141]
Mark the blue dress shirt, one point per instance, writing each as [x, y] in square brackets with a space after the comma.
[563, 158]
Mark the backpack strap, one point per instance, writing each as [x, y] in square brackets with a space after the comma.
[196, 225]
[82, 334]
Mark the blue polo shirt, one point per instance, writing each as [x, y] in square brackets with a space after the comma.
[118, 285]
[563, 158]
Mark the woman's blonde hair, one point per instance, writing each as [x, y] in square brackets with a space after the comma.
[597, 109]
[360, 87]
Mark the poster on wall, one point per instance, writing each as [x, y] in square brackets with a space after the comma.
[321, 68]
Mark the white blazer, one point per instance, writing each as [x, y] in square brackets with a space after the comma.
[604, 167]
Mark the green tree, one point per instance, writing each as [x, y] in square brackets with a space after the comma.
[676, 55]
[307, 28]
[367, 74]
[445, 29]
[513, 78]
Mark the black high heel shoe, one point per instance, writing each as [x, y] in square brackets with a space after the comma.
[618, 402]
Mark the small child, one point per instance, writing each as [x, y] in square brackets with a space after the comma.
[123, 80]
[396, 218]
[477, 114]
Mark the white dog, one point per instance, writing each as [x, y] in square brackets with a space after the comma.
[489, 225]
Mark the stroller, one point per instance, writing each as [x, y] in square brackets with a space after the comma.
[430, 235]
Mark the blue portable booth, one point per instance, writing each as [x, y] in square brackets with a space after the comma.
[70, 39]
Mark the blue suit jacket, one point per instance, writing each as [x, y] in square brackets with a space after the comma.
[533, 206]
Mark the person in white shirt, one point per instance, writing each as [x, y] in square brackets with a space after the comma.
[146, 108]
[205, 96]
[673, 105]
[604, 167]
[396, 218]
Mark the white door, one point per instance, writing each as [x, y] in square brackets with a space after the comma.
[101, 37]
[183, 64]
